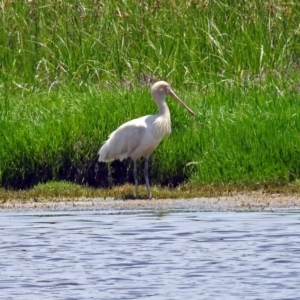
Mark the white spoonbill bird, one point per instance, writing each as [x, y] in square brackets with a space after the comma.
[140, 137]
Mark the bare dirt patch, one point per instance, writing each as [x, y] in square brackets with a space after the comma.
[247, 201]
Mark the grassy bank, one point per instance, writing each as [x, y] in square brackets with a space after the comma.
[237, 136]
[71, 73]
[66, 191]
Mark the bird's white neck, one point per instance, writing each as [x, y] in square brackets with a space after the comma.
[163, 108]
[160, 100]
[162, 123]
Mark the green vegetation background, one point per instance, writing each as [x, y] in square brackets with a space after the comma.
[73, 71]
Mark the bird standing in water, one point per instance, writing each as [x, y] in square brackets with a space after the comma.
[141, 136]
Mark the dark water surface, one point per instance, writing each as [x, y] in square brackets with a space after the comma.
[149, 255]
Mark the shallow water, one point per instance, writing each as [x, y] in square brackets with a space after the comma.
[149, 254]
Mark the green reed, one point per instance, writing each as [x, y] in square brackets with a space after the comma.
[47, 44]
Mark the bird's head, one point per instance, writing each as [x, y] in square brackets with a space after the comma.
[161, 88]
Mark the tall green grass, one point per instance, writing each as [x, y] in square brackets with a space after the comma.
[72, 71]
[48, 44]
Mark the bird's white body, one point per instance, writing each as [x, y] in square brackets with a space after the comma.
[141, 136]
[136, 138]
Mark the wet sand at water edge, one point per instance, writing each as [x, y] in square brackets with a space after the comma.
[247, 201]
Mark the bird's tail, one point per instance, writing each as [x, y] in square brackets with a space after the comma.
[102, 153]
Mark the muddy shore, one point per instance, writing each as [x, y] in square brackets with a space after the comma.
[249, 201]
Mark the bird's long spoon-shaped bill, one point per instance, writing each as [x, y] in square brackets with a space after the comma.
[172, 94]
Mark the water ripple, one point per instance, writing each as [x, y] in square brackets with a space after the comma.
[134, 255]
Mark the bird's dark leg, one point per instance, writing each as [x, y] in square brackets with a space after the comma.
[135, 178]
[147, 178]
[109, 176]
